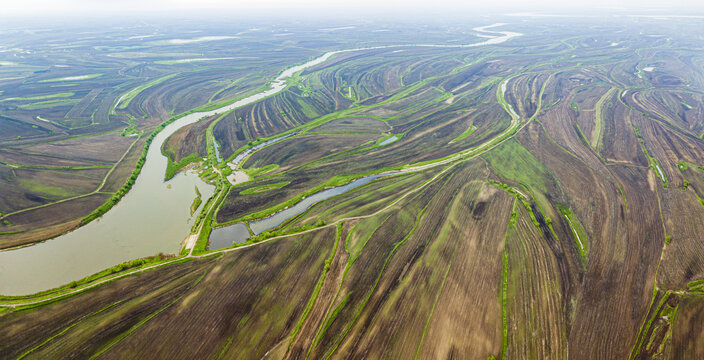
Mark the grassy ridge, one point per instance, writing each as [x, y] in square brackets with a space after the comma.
[196, 202]
[125, 100]
[40, 97]
[172, 168]
[264, 188]
[77, 284]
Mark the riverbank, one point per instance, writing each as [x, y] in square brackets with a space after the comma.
[152, 214]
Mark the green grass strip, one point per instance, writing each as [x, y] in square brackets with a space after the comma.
[635, 351]
[319, 285]
[40, 97]
[174, 167]
[125, 100]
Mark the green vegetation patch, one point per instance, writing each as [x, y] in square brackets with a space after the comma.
[49, 104]
[365, 229]
[659, 310]
[264, 188]
[318, 285]
[127, 98]
[297, 81]
[580, 235]
[107, 273]
[513, 161]
[654, 163]
[196, 202]
[504, 307]
[255, 172]
[308, 110]
[38, 187]
[470, 130]
[386, 140]
[696, 286]
[131, 129]
[174, 167]
[40, 97]
[682, 165]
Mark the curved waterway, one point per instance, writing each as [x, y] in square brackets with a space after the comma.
[237, 233]
[154, 216]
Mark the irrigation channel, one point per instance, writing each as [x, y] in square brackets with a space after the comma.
[155, 215]
[237, 233]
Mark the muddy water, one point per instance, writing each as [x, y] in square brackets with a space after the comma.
[154, 216]
[226, 236]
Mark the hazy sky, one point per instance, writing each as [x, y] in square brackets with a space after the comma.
[8, 7]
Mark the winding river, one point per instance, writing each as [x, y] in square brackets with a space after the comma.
[155, 215]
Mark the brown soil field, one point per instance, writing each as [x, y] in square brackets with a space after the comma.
[103, 148]
[123, 170]
[188, 140]
[49, 221]
[570, 231]
[200, 289]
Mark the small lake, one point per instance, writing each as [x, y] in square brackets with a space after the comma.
[226, 236]
[389, 140]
